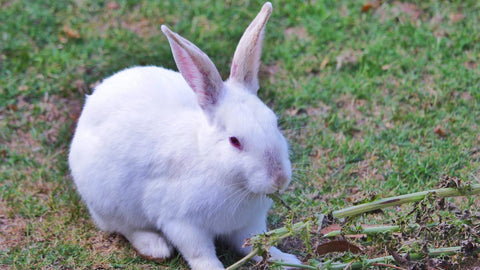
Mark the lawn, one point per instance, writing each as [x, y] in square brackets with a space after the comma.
[375, 100]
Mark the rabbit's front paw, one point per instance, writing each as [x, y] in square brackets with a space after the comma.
[206, 264]
[277, 255]
[150, 244]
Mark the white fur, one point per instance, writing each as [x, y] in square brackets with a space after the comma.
[153, 164]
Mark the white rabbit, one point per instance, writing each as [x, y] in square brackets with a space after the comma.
[177, 160]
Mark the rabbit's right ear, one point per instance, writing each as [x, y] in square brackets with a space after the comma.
[196, 68]
[246, 59]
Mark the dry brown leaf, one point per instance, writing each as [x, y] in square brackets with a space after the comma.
[456, 17]
[366, 7]
[466, 96]
[471, 65]
[3, 153]
[412, 10]
[298, 31]
[112, 5]
[331, 228]
[371, 5]
[337, 246]
[62, 39]
[71, 33]
[324, 63]
[13, 107]
[439, 131]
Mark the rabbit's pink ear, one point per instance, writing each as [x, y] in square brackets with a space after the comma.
[246, 59]
[196, 68]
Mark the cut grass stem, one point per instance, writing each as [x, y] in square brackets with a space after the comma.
[407, 198]
[434, 252]
[376, 229]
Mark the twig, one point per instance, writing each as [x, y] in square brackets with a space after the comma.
[397, 200]
[245, 259]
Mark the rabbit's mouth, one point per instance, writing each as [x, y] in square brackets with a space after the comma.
[262, 189]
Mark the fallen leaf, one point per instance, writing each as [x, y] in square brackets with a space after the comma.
[3, 153]
[62, 39]
[386, 67]
[371, 5]
[71, 33]
[112, 5]
[456, 17]
[324, 63]
[23, 88]
[367, 6]
[13, 107]
[439, 131]
[471, 65]
[410, 9]
[337, 246]
[466, 96]
[331, 228]
[298, 31]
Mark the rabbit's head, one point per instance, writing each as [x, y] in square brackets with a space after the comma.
[247, 144]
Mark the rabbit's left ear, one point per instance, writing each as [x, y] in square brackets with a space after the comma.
[246, 59]
[197, 69]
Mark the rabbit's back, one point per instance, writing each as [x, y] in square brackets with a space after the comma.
[130, 119]
[157, 87]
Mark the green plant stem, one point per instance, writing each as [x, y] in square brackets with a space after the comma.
[407, 198]
[245, 259]
[368, 230]
[413, 256]
[376, 229]
[296, 266]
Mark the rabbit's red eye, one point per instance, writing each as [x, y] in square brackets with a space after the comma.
[235, 142]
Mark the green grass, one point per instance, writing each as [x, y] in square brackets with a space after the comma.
[364, 127]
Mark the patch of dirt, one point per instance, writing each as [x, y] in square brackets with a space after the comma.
[298, 32]
[13, 230]
[272, 72]
[53, 111]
